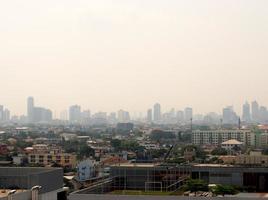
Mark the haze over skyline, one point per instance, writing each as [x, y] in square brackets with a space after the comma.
[109, 55]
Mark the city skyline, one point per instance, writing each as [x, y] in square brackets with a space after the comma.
[250, 112]
[110, 55]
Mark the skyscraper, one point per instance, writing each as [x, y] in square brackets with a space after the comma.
[188, 114]
[123, 116]
[6, 115]
[157, 112]
[149, 115]
[180, 116]
[1, 113]
[75, 113]
[255, 111]
[30, 109]
[263, 114]
[64, 115]
[229, 116]
[246, 112]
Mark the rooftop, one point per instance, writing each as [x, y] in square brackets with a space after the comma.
[232, 142]
[135, 165]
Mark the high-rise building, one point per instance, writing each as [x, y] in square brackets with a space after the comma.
[188, 114]
[75, 113]
[157, 112]
[123, 116]
[263, 114]
[180, 116]
[30, 109]
[216, 137]
[64, 115]
[149, 115]
[6, 115]
[85, 115]
[255, 111]
[1, 113]
[246, 112]
[42, 115]
[112, 117]
[229, 116]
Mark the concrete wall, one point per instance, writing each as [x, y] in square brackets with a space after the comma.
[134, 197]
[27, 195]
[25, 178]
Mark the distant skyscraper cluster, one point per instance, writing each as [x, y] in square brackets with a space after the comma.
[251, 113]
[4, 114]
[37, 114]
[155, 115]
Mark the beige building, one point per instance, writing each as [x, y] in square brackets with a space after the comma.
[255, 158]
[46, 155]
[231, 145]
[63, 159]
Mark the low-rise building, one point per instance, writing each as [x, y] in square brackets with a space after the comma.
[86, 169]
[253, 159]
[62, 159]
[232, 145]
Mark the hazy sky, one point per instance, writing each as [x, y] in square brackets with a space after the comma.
[112, 54]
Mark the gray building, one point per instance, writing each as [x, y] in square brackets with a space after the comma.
[30, 109]
[26, 178]
[75, 113]
[149, 115]
[255, 111]
[157, 112]
[246, 112]
[188, 114]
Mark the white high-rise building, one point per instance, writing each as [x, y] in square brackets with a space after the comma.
[30, 109]
[123, 116]
[246, 112]
[188, 114]
[255, 111]
[75, 113]
[149, 115]
[216, 137]
[157, 112]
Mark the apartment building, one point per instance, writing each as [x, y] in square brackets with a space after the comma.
[216, 137]
[62, 159]
[46, 155]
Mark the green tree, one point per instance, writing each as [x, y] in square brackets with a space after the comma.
[219, 151]
[116, 144]
[195, 185]
[224, 189]
[162, 135]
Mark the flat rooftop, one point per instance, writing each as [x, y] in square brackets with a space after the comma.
[213, 165]
[142, 165]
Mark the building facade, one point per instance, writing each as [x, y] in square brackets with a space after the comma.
[216, 137]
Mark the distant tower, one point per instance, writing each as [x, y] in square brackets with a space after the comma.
[75, 113]
[246, 112]
[30, 109]
[1, 112]
[255, 111]
[239, 123]
[149, 115]
[188, 114]
[157, 112]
